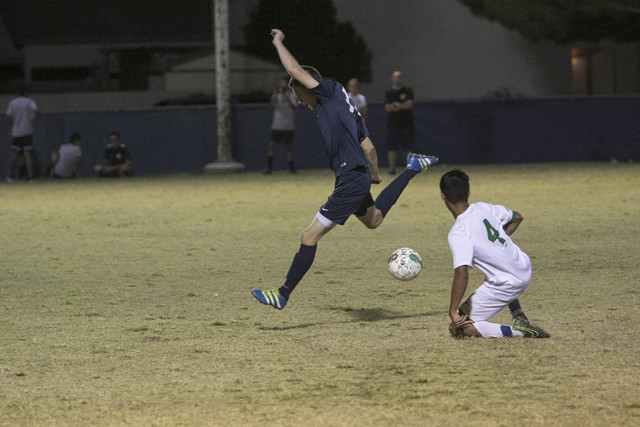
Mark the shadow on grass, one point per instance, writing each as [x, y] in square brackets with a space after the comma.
[357, 316]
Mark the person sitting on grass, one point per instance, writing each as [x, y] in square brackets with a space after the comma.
[116, 160]
[67, 159]
[353, 159]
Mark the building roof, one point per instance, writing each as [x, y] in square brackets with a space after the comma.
[113, 21]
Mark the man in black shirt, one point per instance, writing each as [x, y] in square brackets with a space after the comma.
[400, 132]
[116, 160]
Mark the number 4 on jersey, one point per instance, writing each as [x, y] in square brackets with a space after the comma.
[492, 233]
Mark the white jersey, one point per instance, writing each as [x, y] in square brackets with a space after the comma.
[359, 100]
[23, 112]
[478, 239]
[68, 157]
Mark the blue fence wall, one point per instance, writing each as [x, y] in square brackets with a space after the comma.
[513, 131]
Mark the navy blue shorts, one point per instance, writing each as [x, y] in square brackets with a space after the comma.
[282, 136]
[403, 138]
[350, 196]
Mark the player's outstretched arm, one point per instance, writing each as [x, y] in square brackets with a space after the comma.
[371, 156]
[512, 225]
[290, 63]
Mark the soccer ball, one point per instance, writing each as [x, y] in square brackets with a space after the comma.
[405, 264]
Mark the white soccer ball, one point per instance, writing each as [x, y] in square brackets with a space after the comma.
[405, 264]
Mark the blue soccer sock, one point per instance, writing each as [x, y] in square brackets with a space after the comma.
[299, 266]
[389, 196]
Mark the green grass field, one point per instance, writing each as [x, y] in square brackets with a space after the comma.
[126, 302]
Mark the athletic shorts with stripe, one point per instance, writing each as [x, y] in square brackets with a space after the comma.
[351, 196]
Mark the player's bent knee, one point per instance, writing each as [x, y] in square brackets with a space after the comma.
[465, 331]
[374, 224]
[372, 219]
[309, 238]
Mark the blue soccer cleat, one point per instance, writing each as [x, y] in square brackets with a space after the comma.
[420, 162]
[271, 297]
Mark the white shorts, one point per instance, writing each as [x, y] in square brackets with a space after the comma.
[488, 299]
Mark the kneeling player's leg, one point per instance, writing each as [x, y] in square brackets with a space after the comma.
[495, 330]
[483, 330]
[481, 305]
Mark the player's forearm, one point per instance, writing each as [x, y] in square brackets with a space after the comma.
[289, 62]
[512, 225]
[406, 105]
[370, 155]
[458, 288]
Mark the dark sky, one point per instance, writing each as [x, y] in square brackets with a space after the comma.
[111, 21]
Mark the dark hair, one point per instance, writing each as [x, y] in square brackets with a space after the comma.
[455, 186]
[75, 137]
[311, 71]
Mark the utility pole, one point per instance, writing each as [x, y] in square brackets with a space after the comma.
[224, 162]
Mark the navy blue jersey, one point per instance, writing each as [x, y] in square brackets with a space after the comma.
[341, 126]
[116, 155]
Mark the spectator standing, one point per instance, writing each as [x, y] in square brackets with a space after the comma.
[400, 131]
[22, 112]
[283, 102]
[359, 99]
[68, 158]
[116, 161]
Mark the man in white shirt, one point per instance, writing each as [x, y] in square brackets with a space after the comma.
[480, 237]
[359, 99]
[22, 112]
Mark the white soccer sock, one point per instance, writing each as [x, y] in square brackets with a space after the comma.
[496, 330]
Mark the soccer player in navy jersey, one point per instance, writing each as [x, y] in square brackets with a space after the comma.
[353, 159]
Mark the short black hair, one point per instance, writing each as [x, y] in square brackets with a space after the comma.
[455, 186]
[312, 72]
[75, 137]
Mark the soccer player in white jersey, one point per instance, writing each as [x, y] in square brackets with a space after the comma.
[480, 237]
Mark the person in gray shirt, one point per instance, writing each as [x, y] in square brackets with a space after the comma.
[284, 103]
[68, 159]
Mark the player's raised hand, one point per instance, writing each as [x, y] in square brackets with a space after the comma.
[278, 35]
